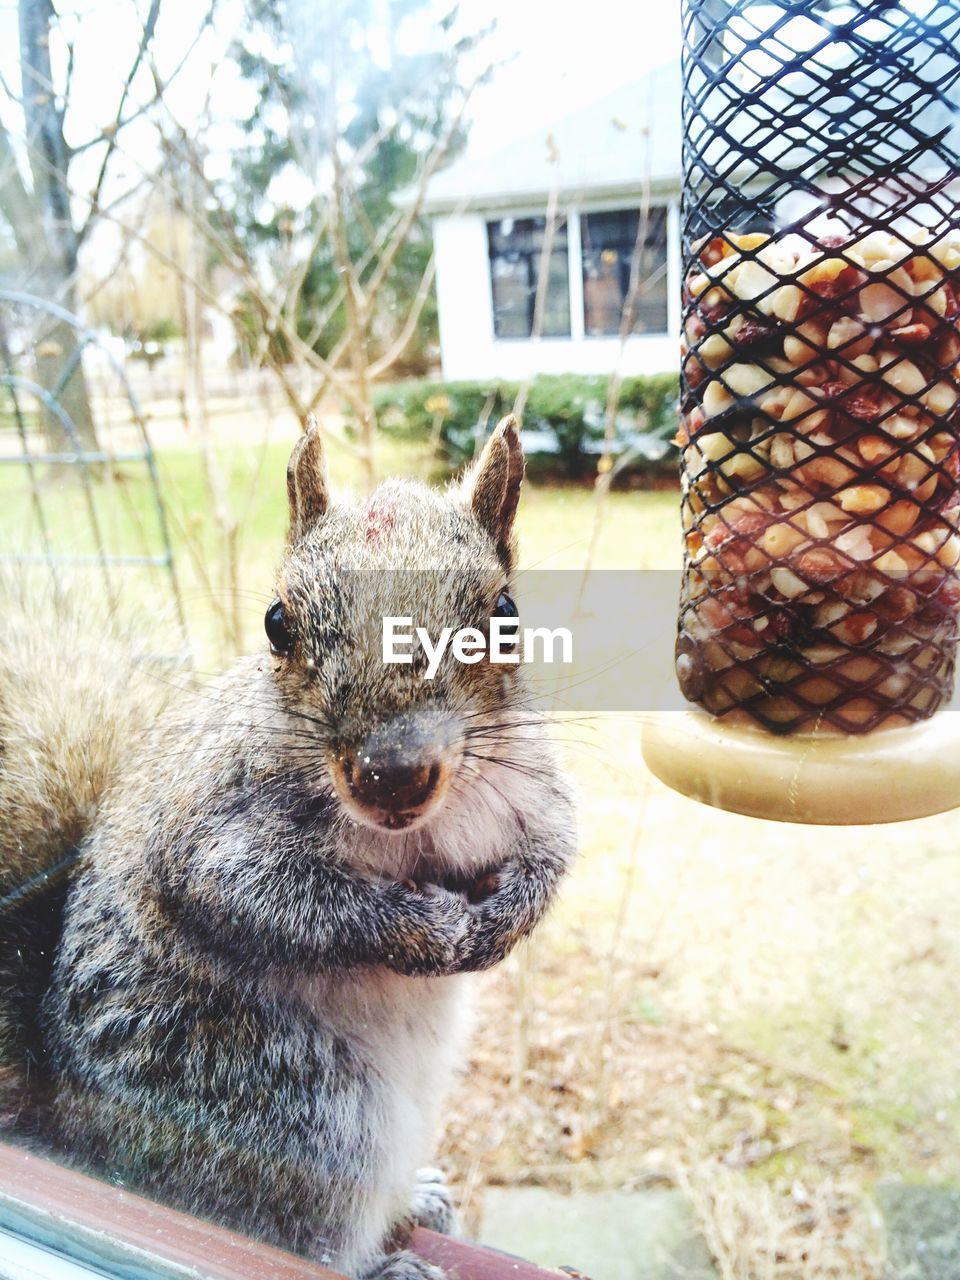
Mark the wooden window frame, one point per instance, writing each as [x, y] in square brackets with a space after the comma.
[623, 248]
[531, 259]
[96, 1224]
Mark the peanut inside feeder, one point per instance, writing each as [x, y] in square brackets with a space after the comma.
[819, 412]
[820, 466]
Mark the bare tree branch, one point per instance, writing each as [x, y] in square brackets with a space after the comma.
[160, 88]
[435, 158]
[68, 75]
[337, 296]
[353, 295]
[147, 35]
[551, 218]
[364, 272]
[271, 317]
[111, 135]
[397, 348]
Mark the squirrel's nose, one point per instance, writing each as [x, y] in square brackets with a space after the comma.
[391, 781]
[398, 773]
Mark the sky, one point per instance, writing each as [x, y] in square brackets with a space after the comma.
[551, 59]
[562, 57]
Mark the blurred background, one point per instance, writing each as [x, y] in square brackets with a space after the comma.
[732, 1050]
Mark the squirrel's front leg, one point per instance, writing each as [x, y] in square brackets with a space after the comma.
[403, 1265]
[432, 1207]
[432, 1203]
[508, 901]
[308, 912]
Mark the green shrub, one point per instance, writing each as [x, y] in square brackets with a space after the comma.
[563, 419]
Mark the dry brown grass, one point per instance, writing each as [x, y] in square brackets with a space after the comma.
[760, 1013]
[830, 1232]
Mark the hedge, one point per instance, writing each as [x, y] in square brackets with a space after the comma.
[563, 420]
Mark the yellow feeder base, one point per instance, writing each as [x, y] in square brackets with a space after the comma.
[889, 775]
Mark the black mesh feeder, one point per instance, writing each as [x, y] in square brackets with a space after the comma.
[819, 413]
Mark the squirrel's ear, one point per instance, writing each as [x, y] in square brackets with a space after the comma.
[307, 482]
[492, 487]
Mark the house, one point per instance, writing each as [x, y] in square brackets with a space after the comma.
[611, 164]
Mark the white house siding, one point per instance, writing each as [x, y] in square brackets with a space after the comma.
[469, 349]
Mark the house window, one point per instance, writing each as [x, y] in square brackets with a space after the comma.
[516, 249]
[608, 241]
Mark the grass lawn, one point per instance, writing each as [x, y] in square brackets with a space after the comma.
[555, 526]
[760, 1012]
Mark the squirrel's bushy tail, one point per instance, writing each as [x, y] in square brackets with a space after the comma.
[75, 696]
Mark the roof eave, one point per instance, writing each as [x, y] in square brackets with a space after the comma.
[663, 185]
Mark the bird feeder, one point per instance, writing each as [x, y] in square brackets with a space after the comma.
[819, 412]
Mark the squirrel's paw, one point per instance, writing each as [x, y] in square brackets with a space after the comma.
[432, 1203]
[404, 1265]
[452, 909]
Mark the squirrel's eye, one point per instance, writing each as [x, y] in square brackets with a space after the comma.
[275, 624]
[505, 608]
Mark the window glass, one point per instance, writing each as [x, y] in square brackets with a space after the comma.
[516, 252]
[247, 864]
[609, 242]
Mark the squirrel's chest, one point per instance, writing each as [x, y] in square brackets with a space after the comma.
[408, 1031]
[408, 1034]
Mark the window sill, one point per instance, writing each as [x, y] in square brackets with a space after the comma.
[632, 337]
[586, 337]
[544, 338]
[79, 1225]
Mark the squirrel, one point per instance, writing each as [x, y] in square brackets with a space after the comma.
[247, 997]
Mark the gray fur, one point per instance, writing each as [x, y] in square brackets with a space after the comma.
[254, 1008]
